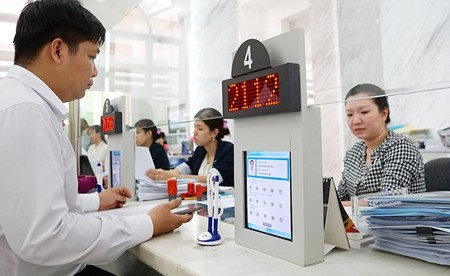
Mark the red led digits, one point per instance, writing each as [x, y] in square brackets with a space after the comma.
[108, 123]
[254, 93]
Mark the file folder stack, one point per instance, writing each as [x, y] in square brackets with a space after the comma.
[416, 225]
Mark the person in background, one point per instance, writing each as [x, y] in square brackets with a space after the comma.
[383, 160]
[43, 229]
[98, 150]
[212, 155]
[85, 141]
[146, 136]
[163, 142]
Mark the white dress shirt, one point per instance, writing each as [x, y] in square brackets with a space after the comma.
[43, 230]
[97, 153]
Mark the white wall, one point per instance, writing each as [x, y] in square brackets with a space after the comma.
[213, 38]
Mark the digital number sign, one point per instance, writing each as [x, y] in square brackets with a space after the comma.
[254, 93]
[111, 123]
[272, 90]
[256, 88]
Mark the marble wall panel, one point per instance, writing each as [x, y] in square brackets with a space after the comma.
[213, 39]
[415, 42]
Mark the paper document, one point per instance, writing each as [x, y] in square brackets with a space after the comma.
[143, 162]
[412, 225]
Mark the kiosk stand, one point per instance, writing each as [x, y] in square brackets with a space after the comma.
[121, 143]
[278, 168]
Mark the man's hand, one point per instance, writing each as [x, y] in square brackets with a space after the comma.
[113, 198]
[164, 220]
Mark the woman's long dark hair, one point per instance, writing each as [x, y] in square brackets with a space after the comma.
[148, 125]
[213, 119]
[98, 129]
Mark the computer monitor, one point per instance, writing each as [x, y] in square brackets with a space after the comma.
[85, 166]
[177, 116]
[268, 192]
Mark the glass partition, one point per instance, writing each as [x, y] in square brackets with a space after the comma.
[347, 43]
[400, 46]
[421, 116]
[144, 59]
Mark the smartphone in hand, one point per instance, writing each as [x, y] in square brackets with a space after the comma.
[189, 210]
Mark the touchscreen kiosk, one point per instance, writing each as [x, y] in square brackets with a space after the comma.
[268, 196]
[121, 143]
[277, 151]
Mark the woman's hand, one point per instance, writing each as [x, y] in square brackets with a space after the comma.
[159, 174]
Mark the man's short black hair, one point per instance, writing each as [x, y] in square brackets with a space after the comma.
[40, 22]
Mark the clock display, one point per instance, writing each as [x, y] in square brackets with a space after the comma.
[111, 123]
[272, 90]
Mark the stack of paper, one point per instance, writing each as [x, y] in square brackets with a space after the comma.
[149, 190]
[417, 225]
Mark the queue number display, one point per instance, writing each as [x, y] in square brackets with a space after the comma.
[254, 93]
[111, 123]
[256, 88]
[272, 90]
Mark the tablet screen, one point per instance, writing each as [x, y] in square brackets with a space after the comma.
[116, 169]
[268, 192]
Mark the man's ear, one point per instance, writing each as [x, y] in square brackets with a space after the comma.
[55, 50]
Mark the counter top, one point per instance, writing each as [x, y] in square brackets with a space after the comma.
[436, 149]
[177, 253]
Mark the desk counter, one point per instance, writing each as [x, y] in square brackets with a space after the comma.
[430, 154]
[177, 253]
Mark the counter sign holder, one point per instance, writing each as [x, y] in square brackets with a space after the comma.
[120, 162]
[277, 150]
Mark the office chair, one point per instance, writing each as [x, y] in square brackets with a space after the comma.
[437, 174]
[85, 166]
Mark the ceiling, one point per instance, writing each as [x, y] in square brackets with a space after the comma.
[110, 12]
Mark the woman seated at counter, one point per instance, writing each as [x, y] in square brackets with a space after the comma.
[212, 155]
[383, 160]
[98, 150]
[146, 136]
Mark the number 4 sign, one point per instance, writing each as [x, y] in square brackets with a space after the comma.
[250, 57]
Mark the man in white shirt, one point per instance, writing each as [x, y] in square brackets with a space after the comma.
[43, 230]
